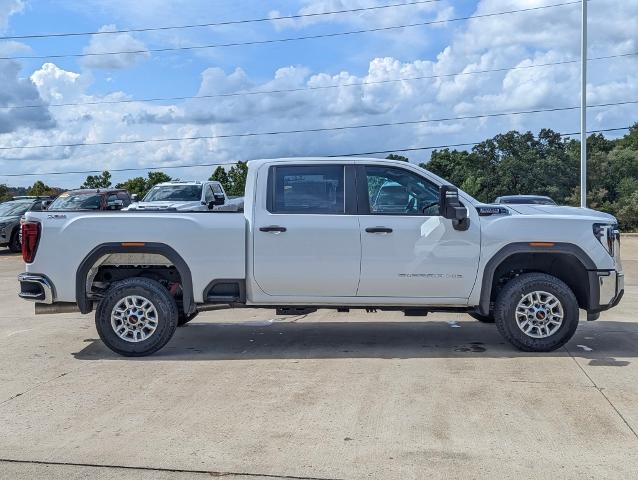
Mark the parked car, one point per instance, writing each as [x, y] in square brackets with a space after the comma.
[183, 196]
[315, 234]
[525, 200]
[10, 213]
[91, 199]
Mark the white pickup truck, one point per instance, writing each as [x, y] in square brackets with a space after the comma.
[331, 233]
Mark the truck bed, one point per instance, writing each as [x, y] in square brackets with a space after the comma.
[202, 239]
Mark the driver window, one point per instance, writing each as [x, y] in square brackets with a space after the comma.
[395, 191]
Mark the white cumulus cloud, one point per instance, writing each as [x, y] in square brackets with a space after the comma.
[116, 42]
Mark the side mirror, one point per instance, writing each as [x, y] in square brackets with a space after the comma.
[135, 197]
[452, 209]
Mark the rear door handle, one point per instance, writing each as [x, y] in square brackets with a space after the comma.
[273, 229]
[378, 230]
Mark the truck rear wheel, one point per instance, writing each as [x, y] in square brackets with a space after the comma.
[536, 312]
[136, 317]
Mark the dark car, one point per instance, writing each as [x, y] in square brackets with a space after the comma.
[525, 200]
[91, 199]
[10, 213]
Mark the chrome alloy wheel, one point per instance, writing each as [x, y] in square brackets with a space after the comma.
[134, 318]
[539, 314]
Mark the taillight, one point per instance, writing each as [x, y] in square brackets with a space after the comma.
[30, 239]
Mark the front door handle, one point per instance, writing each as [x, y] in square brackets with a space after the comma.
[273, 229]
[378, 230]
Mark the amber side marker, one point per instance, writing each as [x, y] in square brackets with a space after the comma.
[542, 244]
[133, 244]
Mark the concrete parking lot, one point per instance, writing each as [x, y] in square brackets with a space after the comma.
[245, 394]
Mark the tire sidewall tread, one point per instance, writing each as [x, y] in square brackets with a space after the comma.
[514, 290]
[164, 304]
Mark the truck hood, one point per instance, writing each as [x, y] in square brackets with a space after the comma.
[562, 211]
[166, 206]
[10, 218]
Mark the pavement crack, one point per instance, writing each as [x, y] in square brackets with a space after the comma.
[212, 473]
[600, 390]
[38, 385]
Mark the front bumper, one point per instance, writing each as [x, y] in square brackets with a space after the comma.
[36, 288]
[606, 288]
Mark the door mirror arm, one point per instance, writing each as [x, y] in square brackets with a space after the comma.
[451, 207]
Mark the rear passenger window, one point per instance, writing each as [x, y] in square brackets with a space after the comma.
[126, 199]
[306, 189]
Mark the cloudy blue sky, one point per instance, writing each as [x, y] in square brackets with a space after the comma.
[518, 40]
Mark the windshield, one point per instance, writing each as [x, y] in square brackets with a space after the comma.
[176, 193]
[9, 209]
[77, 201]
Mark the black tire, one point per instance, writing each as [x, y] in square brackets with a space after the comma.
[514, 291]
[14, 242]
[482, 318]
[183, 319]
[165, 316]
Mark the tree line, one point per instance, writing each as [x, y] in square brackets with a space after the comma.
[509, 163]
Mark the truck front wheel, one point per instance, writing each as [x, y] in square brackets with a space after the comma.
[536, 312]
[136, 317]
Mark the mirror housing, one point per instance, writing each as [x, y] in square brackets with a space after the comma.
[451, 207]
[134, 197]
[218, 200]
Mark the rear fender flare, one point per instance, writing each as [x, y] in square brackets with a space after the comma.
[86, 306]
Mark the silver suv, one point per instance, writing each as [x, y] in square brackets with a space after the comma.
[182, 196]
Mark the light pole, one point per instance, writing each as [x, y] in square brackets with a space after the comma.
[583, 107]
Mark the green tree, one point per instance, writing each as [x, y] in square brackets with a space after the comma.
[157, 177]
[136, 185]
[220, 175]
[39, 188]
[548, 164]
[140, 185]
[233, 180]
[102, 180]
[4, 193]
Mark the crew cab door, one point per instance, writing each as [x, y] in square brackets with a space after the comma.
[408, 249]
[306, 240]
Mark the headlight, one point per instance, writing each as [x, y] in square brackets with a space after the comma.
[608, 235]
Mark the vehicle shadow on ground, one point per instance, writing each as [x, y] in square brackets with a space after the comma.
[601, 343]
[5, 252]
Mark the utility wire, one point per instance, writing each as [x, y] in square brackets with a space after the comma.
[289, 39]
[318, 87]
[217, 164]
[216, 24]
[315, 130]
[438, 147]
